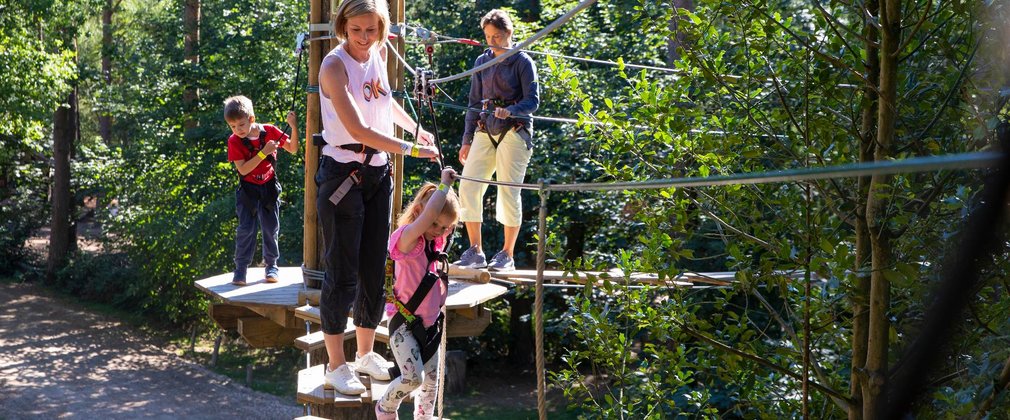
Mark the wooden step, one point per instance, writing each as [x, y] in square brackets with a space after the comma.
[314, 341]
[312, 391]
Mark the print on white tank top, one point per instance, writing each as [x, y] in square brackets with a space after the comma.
[369, 87]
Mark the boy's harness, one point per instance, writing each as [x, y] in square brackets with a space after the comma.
[428, 338]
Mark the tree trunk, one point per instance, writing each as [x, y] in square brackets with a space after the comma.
[875, 387]
[104, 117]
[191, 49]
[61, 235]
[861, 288]
[674, 25]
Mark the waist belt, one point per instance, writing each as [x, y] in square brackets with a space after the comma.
[358, 148]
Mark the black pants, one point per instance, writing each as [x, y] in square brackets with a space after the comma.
[355, 233]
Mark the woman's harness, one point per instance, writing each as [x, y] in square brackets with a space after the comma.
[428, 338]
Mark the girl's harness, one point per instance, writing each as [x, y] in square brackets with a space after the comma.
[428, 338]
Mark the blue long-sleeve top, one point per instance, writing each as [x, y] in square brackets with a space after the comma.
[513, 83]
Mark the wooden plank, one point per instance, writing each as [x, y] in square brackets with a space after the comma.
[309, 297]
[472, 275]
[467, 295]
[460, 326]
[257, 292]
[310, 342]
[260, 332]
[226, 316]
[312, 391]
[309, 313]
[314, 341]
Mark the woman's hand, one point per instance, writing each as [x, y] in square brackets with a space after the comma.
[502, 112]
[429, 152]
[464, 151]
[424, 137]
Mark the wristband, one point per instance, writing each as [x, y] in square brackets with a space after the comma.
[443, 188]
[261, 155]
[415, 151]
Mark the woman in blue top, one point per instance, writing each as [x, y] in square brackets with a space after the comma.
[497, 142]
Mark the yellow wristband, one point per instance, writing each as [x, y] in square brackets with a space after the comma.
[261, 155]
[415, 151]
[443, 188]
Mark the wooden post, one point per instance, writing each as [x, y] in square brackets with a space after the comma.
[318, 13]
[394, 69]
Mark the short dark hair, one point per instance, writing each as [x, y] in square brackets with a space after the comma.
[238, 107]
[499, 18]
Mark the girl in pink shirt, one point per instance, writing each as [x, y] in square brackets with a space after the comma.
[419, 293]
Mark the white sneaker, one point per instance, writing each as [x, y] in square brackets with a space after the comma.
[343, 379]
[373, 365]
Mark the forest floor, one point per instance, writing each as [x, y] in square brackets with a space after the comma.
[62, 359]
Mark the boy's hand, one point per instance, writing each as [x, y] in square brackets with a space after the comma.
[270, 147]
[292, 119]
[448, 176]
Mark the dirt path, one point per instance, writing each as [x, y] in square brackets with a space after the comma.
[60, 361]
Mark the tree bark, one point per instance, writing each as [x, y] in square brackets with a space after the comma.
[104, 117]
[61, 235]
[677, 39]
[875, 387]
[191, 49]
[861, 288]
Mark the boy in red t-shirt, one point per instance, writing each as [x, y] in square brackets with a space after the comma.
[253, 148]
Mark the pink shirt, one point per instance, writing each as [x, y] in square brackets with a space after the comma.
[410, 269]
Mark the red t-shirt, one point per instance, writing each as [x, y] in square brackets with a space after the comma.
[237, 151]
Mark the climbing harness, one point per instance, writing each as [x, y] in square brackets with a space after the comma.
[428, 338]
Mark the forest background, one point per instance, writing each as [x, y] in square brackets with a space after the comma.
[119, 100]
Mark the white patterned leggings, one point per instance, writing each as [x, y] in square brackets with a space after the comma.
[407, 352]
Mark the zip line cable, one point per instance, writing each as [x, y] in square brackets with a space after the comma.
[543, 32]
[972, 160]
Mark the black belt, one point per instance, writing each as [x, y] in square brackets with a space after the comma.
[358, 148]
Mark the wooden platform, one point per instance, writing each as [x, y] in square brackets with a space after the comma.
[247, 308]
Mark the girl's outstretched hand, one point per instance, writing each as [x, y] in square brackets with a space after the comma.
[448, 176]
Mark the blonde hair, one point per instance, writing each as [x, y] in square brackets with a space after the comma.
[354, 8]
[416, 206]
[238, 107]
[497, 18]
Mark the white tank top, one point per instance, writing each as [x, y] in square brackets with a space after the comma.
[369, 87]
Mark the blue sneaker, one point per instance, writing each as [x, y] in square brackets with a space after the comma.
[501, 262]
[238, 279]
[472, 258]
[271, 274]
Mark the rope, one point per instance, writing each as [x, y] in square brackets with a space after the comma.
[543, 32]
[972, 160]
[398, 57]
[441, 362]
[539, 301]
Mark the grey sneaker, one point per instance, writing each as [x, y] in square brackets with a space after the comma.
[501, 262]
[472, 258]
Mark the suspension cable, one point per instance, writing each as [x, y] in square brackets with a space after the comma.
[919, 164]
[543, 32]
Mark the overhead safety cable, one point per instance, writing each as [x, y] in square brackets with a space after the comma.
[543, 32]
[972, 160]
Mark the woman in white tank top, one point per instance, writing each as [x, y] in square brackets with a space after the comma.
[355, 186]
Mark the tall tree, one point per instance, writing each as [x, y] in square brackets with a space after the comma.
[191, 50]
[105, 117]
